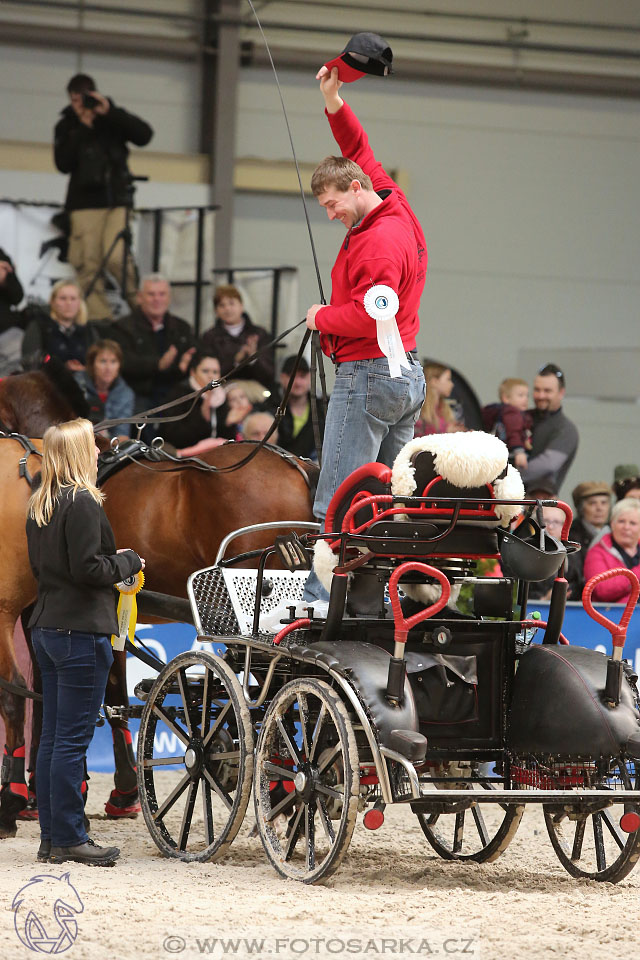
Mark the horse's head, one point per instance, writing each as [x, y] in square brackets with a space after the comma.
[30, 402]
[44, 913]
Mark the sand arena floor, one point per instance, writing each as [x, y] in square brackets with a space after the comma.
[391, 896]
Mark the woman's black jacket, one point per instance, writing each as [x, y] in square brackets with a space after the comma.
[74, 560]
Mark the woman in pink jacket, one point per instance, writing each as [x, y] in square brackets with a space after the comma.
[620, 548]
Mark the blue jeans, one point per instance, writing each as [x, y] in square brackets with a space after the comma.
[371, 416]
[74, 667]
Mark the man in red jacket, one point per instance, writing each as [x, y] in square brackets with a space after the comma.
[369, 329]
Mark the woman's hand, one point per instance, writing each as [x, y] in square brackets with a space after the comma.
[131, 550]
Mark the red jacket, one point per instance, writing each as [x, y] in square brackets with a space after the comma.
[604, 556]
[387, 246]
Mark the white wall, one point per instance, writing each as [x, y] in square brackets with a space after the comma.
[33, 88]
[530, 207]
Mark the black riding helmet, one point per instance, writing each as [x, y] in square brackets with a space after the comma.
[530, 553]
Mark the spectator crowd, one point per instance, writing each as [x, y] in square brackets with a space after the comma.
[151, 356]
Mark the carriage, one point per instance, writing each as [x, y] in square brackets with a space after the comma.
[420, 684]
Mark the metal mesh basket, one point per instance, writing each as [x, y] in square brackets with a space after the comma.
[223, 599]
[211, 606]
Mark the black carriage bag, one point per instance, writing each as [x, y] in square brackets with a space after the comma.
[445, 687]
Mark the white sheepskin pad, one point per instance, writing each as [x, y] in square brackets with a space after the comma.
[463, 459]
[429, 593]
[510, 487]
[324, 560]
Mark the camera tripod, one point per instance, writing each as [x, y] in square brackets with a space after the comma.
[127, 239]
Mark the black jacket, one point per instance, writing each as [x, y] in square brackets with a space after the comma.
[44, 335]
[142, 349]
[193, 428]
[221, 344]
[74, 560]
[11, 293]
[304, 443]
[96, 157]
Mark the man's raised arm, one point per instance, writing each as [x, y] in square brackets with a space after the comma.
[348, 130]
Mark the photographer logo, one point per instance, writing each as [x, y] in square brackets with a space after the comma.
[44, 914]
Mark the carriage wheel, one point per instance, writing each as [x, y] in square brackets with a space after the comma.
[481, 832]
[195, 739]
[593, 845]
[307, 781]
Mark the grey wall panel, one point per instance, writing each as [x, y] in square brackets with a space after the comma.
[530, 209]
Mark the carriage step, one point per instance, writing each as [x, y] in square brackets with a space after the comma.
[142, 689]
[409, 743]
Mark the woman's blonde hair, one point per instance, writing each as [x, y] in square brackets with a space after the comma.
[433, 407]
[82, 316]
[68, 460]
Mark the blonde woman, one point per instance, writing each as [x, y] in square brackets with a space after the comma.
[64, 333]
[437, 415]
[73, 555]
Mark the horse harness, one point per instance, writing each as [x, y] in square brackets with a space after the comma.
[136, 451]
[29, 451]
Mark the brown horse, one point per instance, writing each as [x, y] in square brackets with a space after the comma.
[176, 519]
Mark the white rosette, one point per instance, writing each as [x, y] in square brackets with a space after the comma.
[381, 303]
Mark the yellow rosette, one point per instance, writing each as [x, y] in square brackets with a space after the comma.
[127, 609]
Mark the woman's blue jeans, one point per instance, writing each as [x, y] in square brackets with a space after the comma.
[74, 667]
[371, 416]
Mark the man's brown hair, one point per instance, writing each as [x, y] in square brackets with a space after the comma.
[226, 290]
[338, 172]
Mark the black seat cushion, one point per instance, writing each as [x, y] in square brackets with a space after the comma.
[463, 541]
[425, 472]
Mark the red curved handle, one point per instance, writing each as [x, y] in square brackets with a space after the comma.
[618, 631]
[403, 626]
[302, 624]
[568, 518]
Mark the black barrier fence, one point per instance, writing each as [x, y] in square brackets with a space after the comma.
[176, 241]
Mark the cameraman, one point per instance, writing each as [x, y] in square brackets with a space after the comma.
[91, 144]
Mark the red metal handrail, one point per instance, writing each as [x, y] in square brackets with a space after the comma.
[618, 631]
[402, 625]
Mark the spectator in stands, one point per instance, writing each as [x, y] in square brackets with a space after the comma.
[65, 333]
[295, 430]
[592, 502]
[234, 338]
[619, 548]
[239, 407]
[510, 419]
[626, 481]
[257, 425]
[91, 145]
[437, 414]
[11, 293]
[107, 394]
[207, 416]
[555, 437]
[554, 519]
[157, 346]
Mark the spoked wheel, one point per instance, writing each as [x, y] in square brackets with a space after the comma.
[195, 758]
[592, 844]
[307, 781]
[480, 832]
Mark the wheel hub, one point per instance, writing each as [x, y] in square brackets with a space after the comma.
[193, 759]
[304, 782]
